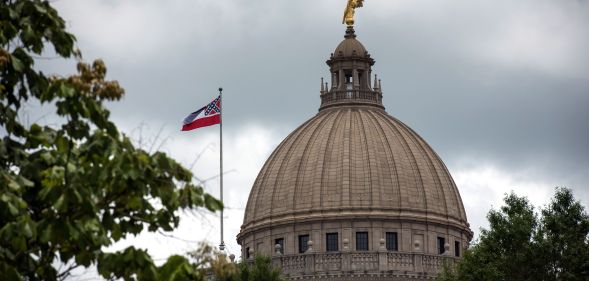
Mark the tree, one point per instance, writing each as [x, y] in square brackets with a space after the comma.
[70, 190]
[564, 238]
[520, 246]
[217, 267]
[260, 270]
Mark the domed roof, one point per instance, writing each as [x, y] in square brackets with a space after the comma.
[353, 162]
[350, 46]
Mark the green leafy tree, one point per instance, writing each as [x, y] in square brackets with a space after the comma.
[217, 266]
[564, 238]
[260, 270]
[68, 191]
[520, 246]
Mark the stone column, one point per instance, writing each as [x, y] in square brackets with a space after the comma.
[356, 79]
[334, 81]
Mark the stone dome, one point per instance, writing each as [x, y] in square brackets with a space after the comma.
[353, 193]
[350, 46]
[354, 161]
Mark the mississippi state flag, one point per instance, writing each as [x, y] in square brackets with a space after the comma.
[206, 116]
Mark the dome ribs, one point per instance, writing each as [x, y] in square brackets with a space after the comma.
[425, 181]
[353, 161]
[313, 158]
[433, 170]
[443, 173]
[410, 194]
[390, 187]
[373, 172]
[275, 176]
[303, 189]
[262, 176]
[330, 193]
[358, 190]
[345, 170]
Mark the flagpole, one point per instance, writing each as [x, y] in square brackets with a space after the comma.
[222, 245]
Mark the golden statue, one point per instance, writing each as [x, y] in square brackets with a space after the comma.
[349, 12]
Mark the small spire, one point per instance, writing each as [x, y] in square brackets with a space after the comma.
[326, 88]
[375, 81]
[379, 85]
[322, 88]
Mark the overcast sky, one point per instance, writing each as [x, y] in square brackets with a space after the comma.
[499, 88]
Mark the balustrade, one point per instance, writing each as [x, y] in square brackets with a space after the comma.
[400, 261]
[350, 96]
[328, 262]
[364, 262]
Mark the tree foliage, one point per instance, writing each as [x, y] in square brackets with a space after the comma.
[520, 245]
[217, 267]
[67, 191]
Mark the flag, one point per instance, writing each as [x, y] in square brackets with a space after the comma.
[206, 116]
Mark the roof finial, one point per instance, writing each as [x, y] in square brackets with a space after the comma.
[349, 12]
[379, 85]
[350, 33]
[322, 88]
[375, 81]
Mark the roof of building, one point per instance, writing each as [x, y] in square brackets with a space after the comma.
[353, 160]
[350, 46]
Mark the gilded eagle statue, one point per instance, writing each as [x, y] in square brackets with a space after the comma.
[349, 12]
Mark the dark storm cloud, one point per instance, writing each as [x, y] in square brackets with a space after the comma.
[501, 81]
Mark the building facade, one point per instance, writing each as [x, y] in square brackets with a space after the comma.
[353, 193]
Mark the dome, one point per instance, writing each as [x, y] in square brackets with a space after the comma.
[353, 161]
[353, 193]
[350, 46]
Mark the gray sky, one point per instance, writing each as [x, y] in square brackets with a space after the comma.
[499, 88]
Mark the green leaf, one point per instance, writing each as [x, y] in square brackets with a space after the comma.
[17, 64]
[27, 230]
[12, 209]
[212, 204]
[175, 268]
[14, 186]
[59, 204]
[116, 232]
[39, 7]
[28, 34]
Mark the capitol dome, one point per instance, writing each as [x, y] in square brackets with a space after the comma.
[353, 161]
[353, 193]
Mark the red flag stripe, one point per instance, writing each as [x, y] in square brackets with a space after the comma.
[203, 122]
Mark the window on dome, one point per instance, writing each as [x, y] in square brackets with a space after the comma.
[441, 243]
[280, 241]
[392, 244]
[303, 243]
[247, 252]
[361, 241]
[331, 242]
[456, 248]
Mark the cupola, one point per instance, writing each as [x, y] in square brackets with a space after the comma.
[351, 71]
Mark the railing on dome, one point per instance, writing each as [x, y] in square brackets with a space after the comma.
[334, 97]
[361, 263]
